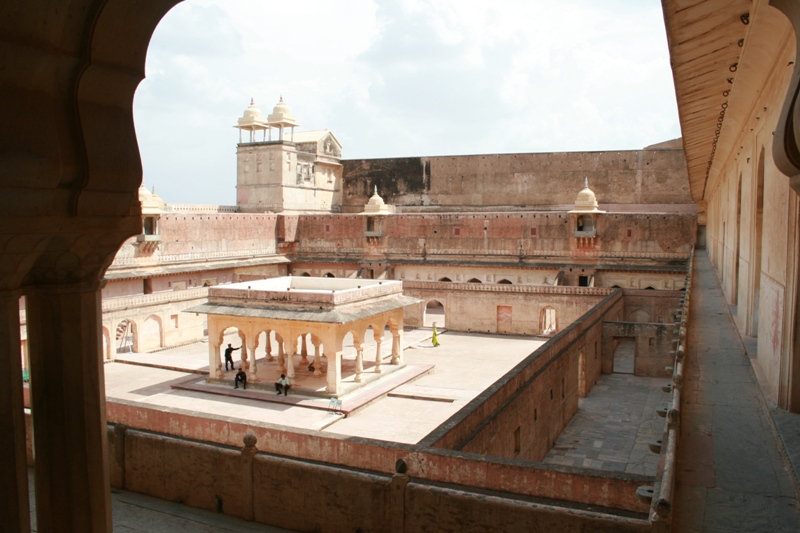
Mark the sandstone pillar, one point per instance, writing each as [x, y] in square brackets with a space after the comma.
[317, 355]
[378, 339]
[291, 348]
[268, 347]
[13, 468]
[333, 353]
[214, 359]
[304, 350]
[359, 360]
[68, 404]
[281, 353]
[250, 346]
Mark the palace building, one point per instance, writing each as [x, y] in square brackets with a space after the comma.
[327, 265]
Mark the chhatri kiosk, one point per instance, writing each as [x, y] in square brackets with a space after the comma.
[297, 308]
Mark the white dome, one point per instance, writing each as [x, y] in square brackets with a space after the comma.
[281, 114]
[586, 200]
[252, 116]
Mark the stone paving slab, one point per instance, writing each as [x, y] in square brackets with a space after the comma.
[613, 427]
[730, 474]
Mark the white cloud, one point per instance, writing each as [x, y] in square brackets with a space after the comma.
[401, 78]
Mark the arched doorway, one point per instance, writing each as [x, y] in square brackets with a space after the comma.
[434, 312]
[126, 338]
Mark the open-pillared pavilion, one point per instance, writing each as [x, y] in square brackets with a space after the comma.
[296, 308]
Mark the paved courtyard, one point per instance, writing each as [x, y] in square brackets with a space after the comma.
[613, 426]
[447, 378]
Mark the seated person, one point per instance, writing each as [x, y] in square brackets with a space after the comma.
[282, 385]
[241, 377]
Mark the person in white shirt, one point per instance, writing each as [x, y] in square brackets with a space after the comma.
[282, 385]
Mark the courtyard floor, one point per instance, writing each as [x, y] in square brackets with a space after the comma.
[613, 426]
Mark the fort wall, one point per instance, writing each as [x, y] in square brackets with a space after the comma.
[530, 181]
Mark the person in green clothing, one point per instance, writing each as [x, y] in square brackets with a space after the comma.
[435, 336]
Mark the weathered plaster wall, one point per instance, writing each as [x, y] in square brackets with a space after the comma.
[522, 180]
[752, 214]
[652, 351]
[476, 307]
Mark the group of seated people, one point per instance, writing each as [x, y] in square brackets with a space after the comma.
[282, 385]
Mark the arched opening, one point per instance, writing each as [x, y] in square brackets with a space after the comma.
[582, 375]
[649, 288]
[474, 280]
[504, 282]
[328, 275]
[445, 279]
[548, 321]
[126, 337]
[106, 344]
[624, 355]
[758, 230]
[305, 275]
[736, 238]
[639, 315]
[151, 335]
[434, 313]
[233, 339]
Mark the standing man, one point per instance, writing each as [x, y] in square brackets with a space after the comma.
[229, 356]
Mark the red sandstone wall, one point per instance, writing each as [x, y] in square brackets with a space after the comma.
[216, 234]
[492, 235]
[451, 509]
[537, 398]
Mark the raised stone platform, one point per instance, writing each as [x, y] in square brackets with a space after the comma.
[377, 387]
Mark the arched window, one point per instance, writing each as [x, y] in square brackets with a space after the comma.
[446, 279]
[328, 275]
[504, 282]
[548, 321]
[474, 280]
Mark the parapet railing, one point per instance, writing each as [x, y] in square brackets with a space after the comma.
[500, 287]
[662, 500]
[200, 208]
[143, 300]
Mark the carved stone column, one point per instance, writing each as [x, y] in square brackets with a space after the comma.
[359, 360]
[378, 339]
[317, 342]
[13, 468]
[281, 352]
[250, 346]
[304, 350]
[291, 348]
[268, 347]
[68, 404]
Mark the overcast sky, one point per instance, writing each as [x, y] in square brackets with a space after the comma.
[396, 78]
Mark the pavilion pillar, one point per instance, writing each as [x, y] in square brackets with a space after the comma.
[291, 348]
[250, 346]
[214, 359]
[244, 362]
[13, 464]
[281, 352]
[334, 374]
[333, 352]
[268, 347]
[68, 404]
[304, 350]
[359, 360]
[317, 342]
[378, 340]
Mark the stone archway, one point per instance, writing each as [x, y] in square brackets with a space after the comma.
[434, 312]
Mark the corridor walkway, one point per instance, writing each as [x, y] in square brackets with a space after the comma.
[731, 475]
